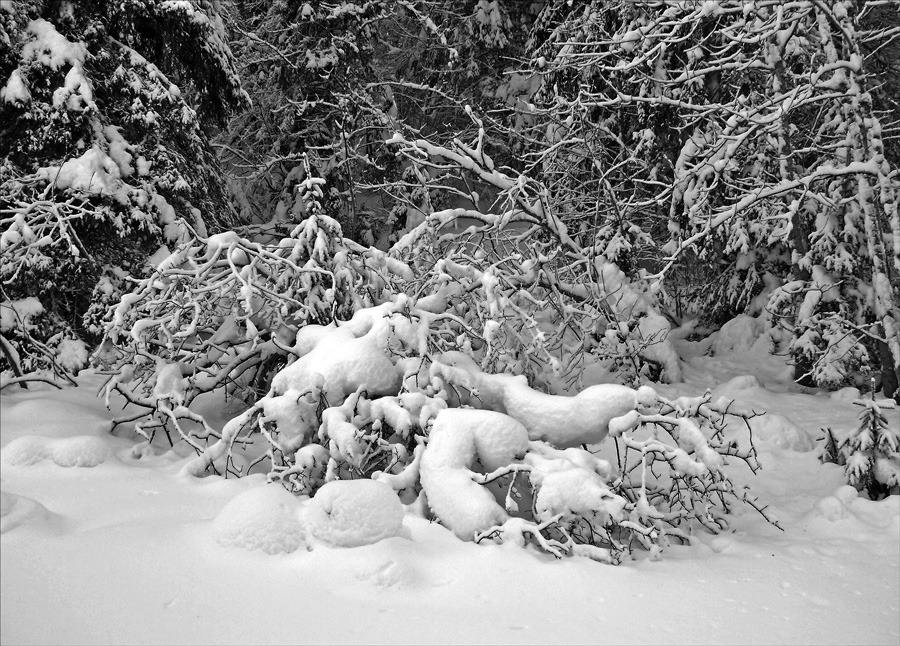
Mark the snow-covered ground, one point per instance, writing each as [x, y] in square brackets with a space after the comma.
[100, 547]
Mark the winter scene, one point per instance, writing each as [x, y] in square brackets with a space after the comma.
[432, 321]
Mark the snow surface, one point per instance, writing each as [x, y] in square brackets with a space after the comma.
[127, 549]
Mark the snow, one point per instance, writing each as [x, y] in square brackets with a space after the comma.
[739, 333]
[778, 430]
[262, 518]
[79, 451]
[19, 511]
[72, 354]
[51, 48]
[92, 172]
[352, 513]
[19, 313]
[568, 421]
[345, 363]
[132, 551]
[572, 490]
[15, 90]
[457, 436]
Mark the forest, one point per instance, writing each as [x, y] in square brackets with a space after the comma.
[444, 308]
[423, 256]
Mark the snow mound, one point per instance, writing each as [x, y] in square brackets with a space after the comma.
[80, 451]
[837, 506]
[351, 513]
[832, 509]
[51, 417]
[16, 510]
[737, 335]
[848, 395]
[777, 430]
[730, 389]
[389, 574]
[262, 518]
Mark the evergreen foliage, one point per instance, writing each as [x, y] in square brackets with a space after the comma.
[103, 148]
[870, 454]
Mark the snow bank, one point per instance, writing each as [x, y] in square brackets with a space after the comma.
[79, 451]
[44, 415]
[16, 511]
[262, 518]
[351, 513]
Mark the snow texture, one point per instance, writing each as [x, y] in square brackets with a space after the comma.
[17, 511]
[778, 430]
[345, 363]
[568, 421]
[262, 518]
[79, 451]
[351, 513]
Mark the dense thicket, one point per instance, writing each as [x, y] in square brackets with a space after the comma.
[740, 147]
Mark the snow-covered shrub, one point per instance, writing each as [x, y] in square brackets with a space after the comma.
[369, 398]
[521, 285]
[419, 375]
[222, 313]
[870, 454]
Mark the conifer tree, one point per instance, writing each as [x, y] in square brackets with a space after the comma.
[104, 116]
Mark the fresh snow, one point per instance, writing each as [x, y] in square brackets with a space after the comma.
[103, 542]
